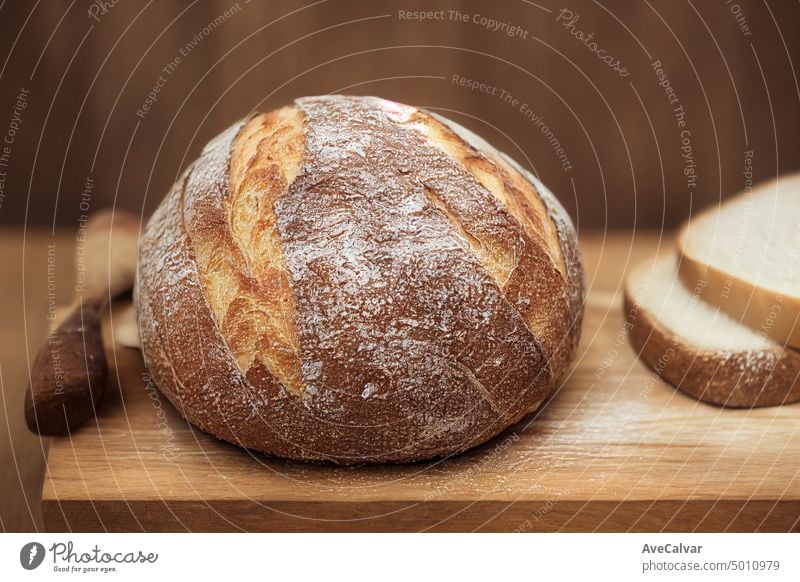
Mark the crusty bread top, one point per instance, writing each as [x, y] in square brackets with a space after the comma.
[754, 237]
[483, 202]
[572, 298]
[349, 279]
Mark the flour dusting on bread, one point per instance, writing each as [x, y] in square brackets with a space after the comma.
[348, 279]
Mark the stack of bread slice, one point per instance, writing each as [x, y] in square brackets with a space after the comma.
[719, 317]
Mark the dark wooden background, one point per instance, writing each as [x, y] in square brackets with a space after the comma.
[88, 77]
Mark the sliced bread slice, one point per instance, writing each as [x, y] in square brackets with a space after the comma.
[745, 255]
[701, 350]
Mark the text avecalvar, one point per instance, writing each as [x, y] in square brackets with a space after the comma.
[671, 549]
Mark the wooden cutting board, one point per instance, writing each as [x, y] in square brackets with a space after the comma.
[615, 450]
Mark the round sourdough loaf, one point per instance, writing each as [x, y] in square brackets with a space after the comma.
[350, 279]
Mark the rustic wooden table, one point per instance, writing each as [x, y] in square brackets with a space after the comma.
[615, 450]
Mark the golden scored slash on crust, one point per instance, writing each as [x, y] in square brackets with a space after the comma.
[544, 219]
[348, 279]
[257, 313]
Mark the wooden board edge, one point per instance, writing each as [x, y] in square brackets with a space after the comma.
[442, 516]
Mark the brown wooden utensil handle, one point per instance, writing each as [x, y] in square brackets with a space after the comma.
[69, 374]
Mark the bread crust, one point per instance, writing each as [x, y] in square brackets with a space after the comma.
[563, 334]
[397, 339]
[736, 379]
